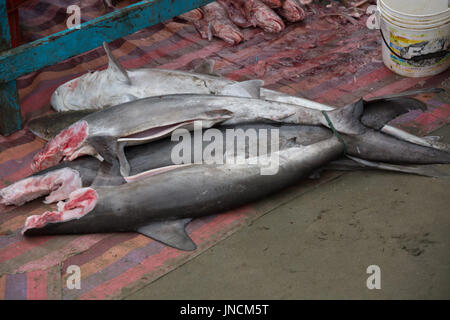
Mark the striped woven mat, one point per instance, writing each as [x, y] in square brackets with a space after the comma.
[319, 59]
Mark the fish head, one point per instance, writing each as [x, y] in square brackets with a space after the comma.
[77, 93]
[68, 145]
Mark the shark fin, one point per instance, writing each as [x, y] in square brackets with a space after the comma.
[347, 119]
[206, 67]
[406, 136]
[248, 89]
[171, 233]
[421, 170]
[123, 161]
[114, 66]
[111, 151]
[379, 112]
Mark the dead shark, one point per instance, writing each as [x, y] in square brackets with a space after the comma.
[105, 133]
[374, 149]
[194, 191]
[115, 85]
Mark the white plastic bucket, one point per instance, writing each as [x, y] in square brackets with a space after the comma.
[416, 36]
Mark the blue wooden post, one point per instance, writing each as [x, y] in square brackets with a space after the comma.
[10, 119]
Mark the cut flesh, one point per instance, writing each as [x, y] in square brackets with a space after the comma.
[80, 203]
[66, 143]
[58, 184]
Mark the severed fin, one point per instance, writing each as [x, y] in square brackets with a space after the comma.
[347, 119]
[114, 67]
[206, 67]
[408, 93]
[421, 170]
[111, 151]
[379, 112]
[171, 233]
[108, 175]
[247, 89]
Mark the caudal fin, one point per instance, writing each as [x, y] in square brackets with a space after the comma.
[379, 112]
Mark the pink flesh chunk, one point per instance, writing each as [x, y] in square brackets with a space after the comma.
[58, 184]
[66, 143]
[80, 203]
[292, 11]
[153, 172]
[262, 16]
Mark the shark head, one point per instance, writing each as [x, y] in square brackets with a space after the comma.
[78, 93]
[87, 91]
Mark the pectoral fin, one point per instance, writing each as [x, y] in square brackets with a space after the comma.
[171, 233]
[111, 150]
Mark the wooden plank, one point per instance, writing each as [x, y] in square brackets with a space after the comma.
[10, 120]
[65, 44]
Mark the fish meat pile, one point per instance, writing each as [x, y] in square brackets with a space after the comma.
[117, 164]
[224, 18]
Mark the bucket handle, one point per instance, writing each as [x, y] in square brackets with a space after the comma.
[437, 54]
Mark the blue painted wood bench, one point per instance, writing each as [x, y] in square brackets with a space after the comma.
[65, 44]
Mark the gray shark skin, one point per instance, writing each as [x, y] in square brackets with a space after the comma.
[159, 206]
[105, 133]
[369, 146]
[115, 85]
[377, 113]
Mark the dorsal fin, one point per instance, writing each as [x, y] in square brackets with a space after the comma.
[248, 89]
[206, 67]
[171, 233]
[114, 66]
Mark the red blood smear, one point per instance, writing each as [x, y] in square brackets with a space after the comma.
[64, 144]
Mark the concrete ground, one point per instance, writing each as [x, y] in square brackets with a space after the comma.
[319, 245]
